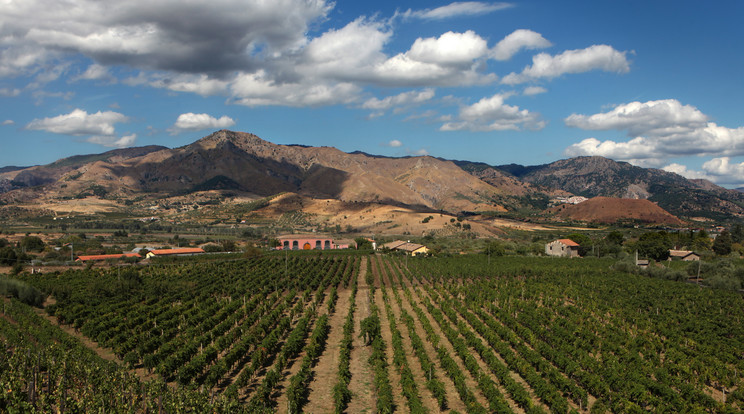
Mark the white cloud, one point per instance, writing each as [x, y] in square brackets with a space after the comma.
[419, 152]
[197, 122]
[601, 57]
[516, 41]
[449, 49]
[658, 129]
[97, 72]
[354, 53]
[657, 118]
[9, 122]
[465, 8]
[492, 114]
[113, 142]
[9, 92]
[395, 143]
[402, 99]
[99, 126]
[260, 90]
[79, 122]
[534, 90]
[719, 170]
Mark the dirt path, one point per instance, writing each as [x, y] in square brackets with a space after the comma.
[387, 336]
[320, 398]
[453, 398]
[471, 383]
[427, 400]
[479, 360]
[362, 399]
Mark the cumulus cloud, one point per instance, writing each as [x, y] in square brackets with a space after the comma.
[99, 126]
[534, 90]
[516, 41]
[394, 143]
[197, 122]
[492, 114]
[79, 122]
[464, 8]
[9, 122]
[354, 53]
[719, 170]
[658, 118]
[449, 49]
[596, 57]
[402, 99]
[658, 129]
[189, 37]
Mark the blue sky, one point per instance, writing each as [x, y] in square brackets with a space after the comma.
[658, 84]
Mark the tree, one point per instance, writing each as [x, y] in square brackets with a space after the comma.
[362, 243]
[737, 233]
[8, 256]
[32, 244]
[615, 237]
[654, 245]
[722, 245]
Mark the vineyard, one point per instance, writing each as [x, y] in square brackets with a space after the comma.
[371, 333]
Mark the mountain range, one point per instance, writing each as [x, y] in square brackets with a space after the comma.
[242, 163]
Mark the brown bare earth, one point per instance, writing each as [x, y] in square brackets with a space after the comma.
[611, 210]
[362, 399]
[320, 399]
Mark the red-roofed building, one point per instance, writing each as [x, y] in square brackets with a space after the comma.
[186, 251]
[563, 248]
[307, 243]
[99, 257]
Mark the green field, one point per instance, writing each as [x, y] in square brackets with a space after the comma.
[372, 333]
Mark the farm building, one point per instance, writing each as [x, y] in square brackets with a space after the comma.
[190, 251]
[410, 248]
[684, 255]
[99, 257]
[308, 243]
[563, 248]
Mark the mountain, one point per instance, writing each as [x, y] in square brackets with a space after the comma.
[598, 176]
[611, 210]
[243, 162]
[21, 177]
[228, 162]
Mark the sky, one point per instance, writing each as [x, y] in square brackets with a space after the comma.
[655, 83]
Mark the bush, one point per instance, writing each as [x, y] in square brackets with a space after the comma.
[21, 291]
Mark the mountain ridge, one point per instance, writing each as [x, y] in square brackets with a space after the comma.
[238, 161]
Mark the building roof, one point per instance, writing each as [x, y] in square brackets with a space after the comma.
[85, 258]
[188, 250]
[410, 247]
[681, 253]
[569, 242]
[402, 245]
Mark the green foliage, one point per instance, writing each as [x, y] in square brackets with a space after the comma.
[654, 245]
[362, 243]
[722, 245]
[32, 244]
[21, 291]
[8, 256]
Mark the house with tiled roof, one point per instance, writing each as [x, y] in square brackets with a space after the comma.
[562, 248]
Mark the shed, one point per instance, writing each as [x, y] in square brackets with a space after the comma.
[684, 255]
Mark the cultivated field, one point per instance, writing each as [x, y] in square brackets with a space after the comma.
[372, 333]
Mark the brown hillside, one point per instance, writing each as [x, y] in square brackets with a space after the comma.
[612, 210]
